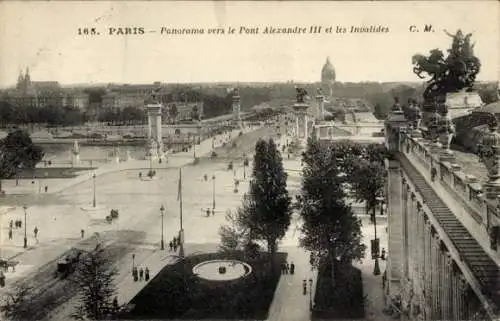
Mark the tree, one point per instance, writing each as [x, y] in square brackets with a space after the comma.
[94, 277]
[330, 230]
[17, 150]
[234, 236]
[267, 211]
[14, 303]
[368, 181]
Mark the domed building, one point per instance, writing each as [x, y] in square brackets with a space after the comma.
[328, 77]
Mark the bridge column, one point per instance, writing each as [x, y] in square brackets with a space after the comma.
[155, 135]
[321, 105]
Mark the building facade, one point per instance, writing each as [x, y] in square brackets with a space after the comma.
[443, 229]
[40, 94]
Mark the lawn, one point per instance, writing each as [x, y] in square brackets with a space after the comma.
[52, 172]
[345, 301]
[176, 293]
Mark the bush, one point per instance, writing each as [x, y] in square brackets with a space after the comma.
[230, 166]
[213, 155]
[151, 173]
[190, 297]
[240, 134]
[343, 301]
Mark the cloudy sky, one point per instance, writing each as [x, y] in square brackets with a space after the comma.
[44, 37]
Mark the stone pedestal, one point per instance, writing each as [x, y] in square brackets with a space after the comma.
[155, 137]
[236, 109]
[301, 121]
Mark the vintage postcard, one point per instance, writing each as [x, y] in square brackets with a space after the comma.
[249, 160]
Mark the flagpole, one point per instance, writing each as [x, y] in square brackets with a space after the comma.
[181, 232]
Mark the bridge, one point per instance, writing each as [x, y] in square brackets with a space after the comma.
[443, 228]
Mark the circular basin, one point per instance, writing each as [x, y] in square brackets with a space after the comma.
[222, 270]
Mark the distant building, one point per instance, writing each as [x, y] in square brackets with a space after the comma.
[185, 110]
[328, 77]
[41, 94]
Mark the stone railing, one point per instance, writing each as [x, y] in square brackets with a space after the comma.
[463, 188]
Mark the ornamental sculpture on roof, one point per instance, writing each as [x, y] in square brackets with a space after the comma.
[453, 73]
[489, 153]
[301, 94]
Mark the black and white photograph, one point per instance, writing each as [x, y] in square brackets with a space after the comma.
[250, 160]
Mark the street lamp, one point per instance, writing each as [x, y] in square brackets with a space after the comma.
[162, 211]
[93, 185]
[310, 294]
[376, 243]
[25, 235]
[213, 192]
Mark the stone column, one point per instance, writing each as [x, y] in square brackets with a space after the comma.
[297, 127]
[428, 270]
[321, 101]
[306, 131]
[447, 287]
[236, 107]
[395, 185]
[150, 127]
[159, 133]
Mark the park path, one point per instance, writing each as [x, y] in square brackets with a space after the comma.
[290, 303]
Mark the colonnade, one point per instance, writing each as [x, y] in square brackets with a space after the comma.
[432, 285]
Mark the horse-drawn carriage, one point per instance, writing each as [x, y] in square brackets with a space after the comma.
[67, 265]
[5, 264]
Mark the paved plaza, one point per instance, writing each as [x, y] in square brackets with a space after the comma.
[60, 219]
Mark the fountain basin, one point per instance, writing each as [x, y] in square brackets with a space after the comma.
[222, 270]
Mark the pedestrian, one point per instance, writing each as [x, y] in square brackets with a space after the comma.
[292, 268]
[382, 255]
[11, 224]
[46, 188]
[208, 212]
[20, 223]
[171, 246]
[82, 232]
[146, 274]
[283, 267]
[384, 279]
[174, 240]
[141, 274]
[286, 268]
[35, 232]
[134, 274]
[304, 287]
[10, 234]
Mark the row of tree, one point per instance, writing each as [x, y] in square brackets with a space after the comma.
[331, 174]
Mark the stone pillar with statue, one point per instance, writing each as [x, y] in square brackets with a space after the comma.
[236, 108]
[75, 154]
[301, 108]
[155, 135]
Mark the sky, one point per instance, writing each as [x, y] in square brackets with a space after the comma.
[43, 36]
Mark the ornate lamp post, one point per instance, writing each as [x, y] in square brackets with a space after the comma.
[25, 235]
[93, 184]
[310, 294]
[213, 192]
[489, 153]
[162, 213]
[245, 164]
